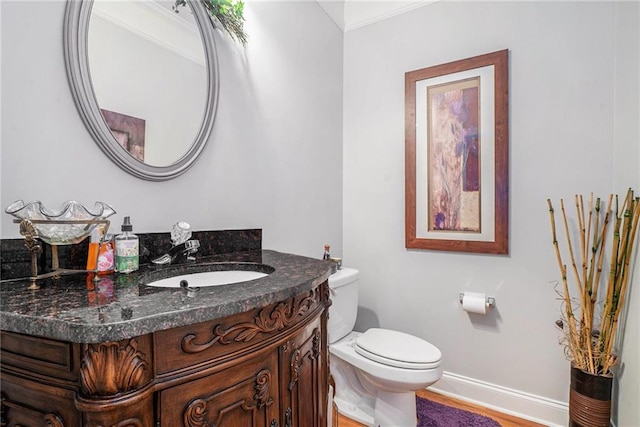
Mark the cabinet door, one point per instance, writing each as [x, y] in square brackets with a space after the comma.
[242, 395]
[302, 380]
[27, 403]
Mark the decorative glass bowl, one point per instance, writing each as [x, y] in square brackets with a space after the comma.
[70, 224]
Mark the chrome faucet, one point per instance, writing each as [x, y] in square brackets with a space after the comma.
[182, 246]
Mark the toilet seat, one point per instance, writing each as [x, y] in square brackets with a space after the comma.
[397, 349]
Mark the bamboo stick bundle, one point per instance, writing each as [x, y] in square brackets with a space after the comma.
[572, 329]
[589, 338]
[601, 238]
[631, 213]
[609, 303]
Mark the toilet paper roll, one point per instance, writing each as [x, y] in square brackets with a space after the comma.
[473, 302]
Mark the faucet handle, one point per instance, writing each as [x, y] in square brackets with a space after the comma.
[180, 233]
[193, 248]
[187, 249]
[192, 245]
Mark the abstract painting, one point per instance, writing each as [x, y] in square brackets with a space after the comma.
[456, 156]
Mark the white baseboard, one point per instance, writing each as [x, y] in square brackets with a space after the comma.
[538, 409]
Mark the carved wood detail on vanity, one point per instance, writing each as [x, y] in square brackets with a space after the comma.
[270, 319]
[49, 419]
[53, 420]
[111, 368]
[316, 344]
[263, 383]
[198, 414]
[294, 367]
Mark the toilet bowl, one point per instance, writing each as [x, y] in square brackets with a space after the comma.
[376, 372]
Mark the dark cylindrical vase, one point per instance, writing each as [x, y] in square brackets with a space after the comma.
[589, 399]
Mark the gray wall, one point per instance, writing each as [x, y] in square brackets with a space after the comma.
[274, 159]
[567, 134]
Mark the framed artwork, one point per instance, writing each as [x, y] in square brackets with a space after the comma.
[457, 156]
[128, 131]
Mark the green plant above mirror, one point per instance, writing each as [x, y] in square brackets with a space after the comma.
[228, 13]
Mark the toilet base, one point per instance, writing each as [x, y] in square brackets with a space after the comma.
[363, 415]
[395, 409]
[389, 410]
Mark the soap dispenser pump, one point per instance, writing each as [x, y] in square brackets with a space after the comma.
[127, 248]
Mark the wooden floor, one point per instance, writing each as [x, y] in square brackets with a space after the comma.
[503, 419]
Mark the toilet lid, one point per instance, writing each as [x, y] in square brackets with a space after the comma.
[397, 349]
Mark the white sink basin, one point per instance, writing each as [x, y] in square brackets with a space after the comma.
[207, 278]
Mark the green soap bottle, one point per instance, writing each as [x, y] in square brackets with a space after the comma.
[127, 248]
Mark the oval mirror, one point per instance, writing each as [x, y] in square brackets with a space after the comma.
[145, 81]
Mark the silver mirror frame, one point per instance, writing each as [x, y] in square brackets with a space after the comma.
[76, 26]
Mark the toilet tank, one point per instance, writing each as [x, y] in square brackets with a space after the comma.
[343, 285]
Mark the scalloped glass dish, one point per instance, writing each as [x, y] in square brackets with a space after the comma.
[70, 224]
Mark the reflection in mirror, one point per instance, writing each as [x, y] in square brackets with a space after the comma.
[147, 87]
[149, 76]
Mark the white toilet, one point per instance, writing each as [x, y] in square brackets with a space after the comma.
[376, 372]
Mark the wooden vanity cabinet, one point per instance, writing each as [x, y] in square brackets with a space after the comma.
[303, 382]
[227, 397]
[265, 367]
[38, 381]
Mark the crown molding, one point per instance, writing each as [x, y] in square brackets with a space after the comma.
[359, 14]
[349, 15]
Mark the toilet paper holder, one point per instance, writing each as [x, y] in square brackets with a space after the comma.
[489, 301]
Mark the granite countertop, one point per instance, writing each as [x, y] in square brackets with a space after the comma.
[120, 306]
